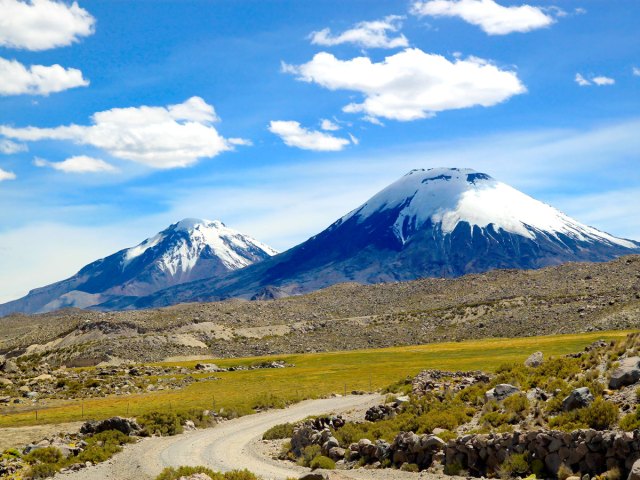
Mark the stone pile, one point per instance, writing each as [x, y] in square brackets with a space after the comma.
[407, 447]
[440, 381]
[587, 451]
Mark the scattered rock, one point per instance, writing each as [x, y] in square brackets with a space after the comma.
[634, 474]
[534, 360]
[627, 373]
[128, 426]
[500, 392]
[578, 398]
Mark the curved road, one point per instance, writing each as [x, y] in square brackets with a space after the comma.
[230, 445]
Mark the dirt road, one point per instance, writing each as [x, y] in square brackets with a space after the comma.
[230, 445]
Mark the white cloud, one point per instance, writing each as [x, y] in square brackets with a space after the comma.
[17, 79]
[77, 164]
[411, 84]
[490, 16]
[293, 135]
[602, 80]
[366, 34]
[580, 80]
[4, 175]
[8, 147]
[328, 125]
[159, 137]
[594, 80]
[42, 24]
[636, 71]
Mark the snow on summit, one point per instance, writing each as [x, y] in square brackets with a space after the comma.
[184, 243]
[449, 196]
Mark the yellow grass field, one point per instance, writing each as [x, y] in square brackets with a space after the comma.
[314, 375]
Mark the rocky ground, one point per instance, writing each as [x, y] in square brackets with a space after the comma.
[576, 415]
[504, 303]
[26, 381]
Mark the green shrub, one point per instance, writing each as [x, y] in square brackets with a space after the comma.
[239, 475]
[600, 415]
[631, 421]
[171, 473]
[44, 455]
[278, 432]
[564, 472]
[42, 470]
[308, 454]
[322, 462]
[453, 468]
[537, 468]
[515, 465]
[103, 446]
[160, 423]
[410, 467]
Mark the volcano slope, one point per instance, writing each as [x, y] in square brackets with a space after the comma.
[574, 297]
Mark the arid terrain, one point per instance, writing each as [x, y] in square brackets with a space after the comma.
[576, 297]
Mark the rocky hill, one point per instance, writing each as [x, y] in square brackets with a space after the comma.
[573, 297]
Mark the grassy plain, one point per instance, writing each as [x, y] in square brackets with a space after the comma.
[314, 375]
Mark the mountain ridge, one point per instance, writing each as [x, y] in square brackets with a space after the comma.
[444, 222]
[188, 250]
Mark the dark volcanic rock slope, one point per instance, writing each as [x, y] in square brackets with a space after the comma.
[430, 223]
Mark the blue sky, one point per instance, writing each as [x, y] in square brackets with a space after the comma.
[543, 97]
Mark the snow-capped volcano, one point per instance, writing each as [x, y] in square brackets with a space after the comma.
[189, 250]
[441, 222]
[177, 250]
[448, 197]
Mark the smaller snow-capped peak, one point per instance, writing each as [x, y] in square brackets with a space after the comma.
[182, 244]
[449, 196]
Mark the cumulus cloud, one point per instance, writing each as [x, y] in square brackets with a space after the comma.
[328, 125]
[294, 135]
[599, 80]
[365, 34]
[77, 164]
[8, 147]
[159, 137]
[4, 175]
[411, 84]
[18, 79]
[42, 24]
[490, 16]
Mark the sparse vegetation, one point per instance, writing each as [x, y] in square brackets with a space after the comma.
[171, 473]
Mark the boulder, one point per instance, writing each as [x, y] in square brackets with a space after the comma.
[634, 473]
[578, 398]
[314, 476]
[196, 476]
[627, 373]
[128, 426]
[534, 360]
[500, 392]
[10, 366]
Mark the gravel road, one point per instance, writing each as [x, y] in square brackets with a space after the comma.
[230, 445]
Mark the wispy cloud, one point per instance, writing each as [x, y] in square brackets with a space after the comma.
[9, 148]
[294, 135]
[599, 80]
[373, 34]
[77, 164]
[4, 175]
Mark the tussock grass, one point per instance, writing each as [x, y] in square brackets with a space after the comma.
[314, 375]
